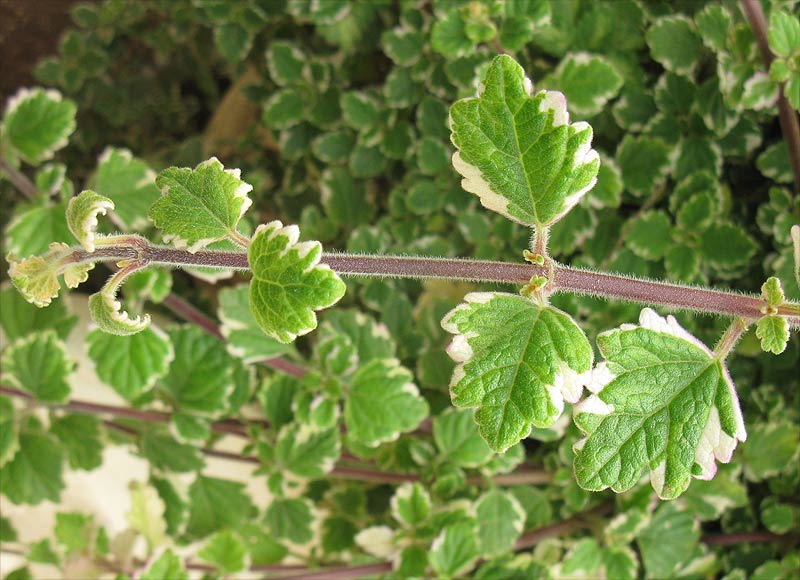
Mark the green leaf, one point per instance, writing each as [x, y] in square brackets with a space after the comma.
[286, 63]
[772, 292]
[39, 365]
[73, 531]
[784, 33]
[226, 551]
[243, 337]
[382, 403]
[774, 333]
[42, 552]
[518, 152]
[7, 531]
[713, 24]
[500, 522]
[147, 514]
[644, 163]
[674, 44]
[35, 472]
[667, 541]
[708, 500]
[37, 123]
[650, 235]
[284, 109]
[19, 318]
[403, 45]
[449, 37]
[165, 453]
[262, 548]
[199, 378]
[306, 453]
[233, 41]
[454, 551]
[215, 504]
[792, 92]
[458, 439]
[588, 82]
[370, 339]
[727, 245]
[290, 519]
[361, 111]
[82, 214]
[201, 205]
[80, 437]
[535, 503]
[167, 565]
[660, 400]
[129, 183]
[517, 363]
[106, 312]
[760, 92]
[288, 282]
[132, 364]
[411, 504]
[697, 212]
[33, 230]
[770, 450]
[345, 199]
[774, 163]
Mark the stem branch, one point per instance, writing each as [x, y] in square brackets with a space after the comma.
[24, 185]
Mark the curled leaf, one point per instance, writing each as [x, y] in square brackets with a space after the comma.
[107, 313]
[82, 216]
[36, 277]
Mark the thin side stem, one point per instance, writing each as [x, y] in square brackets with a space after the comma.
[24, 185]
[729, 338]
[747, 538]
[790, 126]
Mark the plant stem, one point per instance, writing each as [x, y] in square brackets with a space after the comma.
[729, 338]
[747, 538]
[563, 278]
[790, 126]
[24, 185]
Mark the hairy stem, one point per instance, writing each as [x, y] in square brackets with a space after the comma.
[790, 126]
[561, 278]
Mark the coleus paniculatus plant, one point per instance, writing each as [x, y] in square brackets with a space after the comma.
[659, 400]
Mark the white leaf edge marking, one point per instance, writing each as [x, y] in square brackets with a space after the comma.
[404, 492]
[85, 231]
[377, 541]
[149, 178]
[25, 94]
[714, 443]
[567, 384]
[121, 322]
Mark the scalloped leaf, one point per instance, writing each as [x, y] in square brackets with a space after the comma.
[517, 363]
[588, 82]
[36, 277]
[82, 212]
[39, 365]
[519, 153]
[201, 205]
[773, 331]
[382, 403]
[33, 229]
[305, 452]
[35, 473]
[660, 400]
[130, 183]
[130, 364]
[289, 283]
[37, 123]
[411, 504]
[106, 312]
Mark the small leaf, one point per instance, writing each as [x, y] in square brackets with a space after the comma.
[37, 123]
[784, 33]
[233, 41]
[774, 163]
[403, 45]
[284, 109]
[760, 92]
[359, 110]
[538, 175]
[286, 63]
[132, 364]
[587, 81]
[644, 163]
[80, 437]
[344, 199]
[500, 522]
[459, 440]
[165, 453]
[449, 37]
[377, 541]
[167, 565]
[244, 339]
[667, 541]
[661, 400]
[517, 363]
[290, 519]
[106, 312]
[82, 216]
[129, 183]
[674, 44]
[713, 25]
[201, 205]
[226, 551]
[18, 318]
[39, 364]
[36, 277]
[34, 228]
[35, 472]
[454, 551]
[288, 282]
[411, 504]
[650, 235]
[727, 246]
[772, 292]
[215, 504]
[306, 453]
[382, 403]
[73, 531]
[771, 449]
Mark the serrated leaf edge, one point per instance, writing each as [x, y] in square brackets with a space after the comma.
[24, 94]
[84, 227]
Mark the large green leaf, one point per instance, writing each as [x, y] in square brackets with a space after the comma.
[129, 183]
[661, 400]
[289, 283]
[215, 504]
[201, 205]
[39, 365]
[37, 123]
[517, 363]
[518, 152]
[35, 472]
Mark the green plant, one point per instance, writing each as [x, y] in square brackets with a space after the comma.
[354, 401]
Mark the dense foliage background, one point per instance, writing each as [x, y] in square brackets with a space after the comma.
[336, 112]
